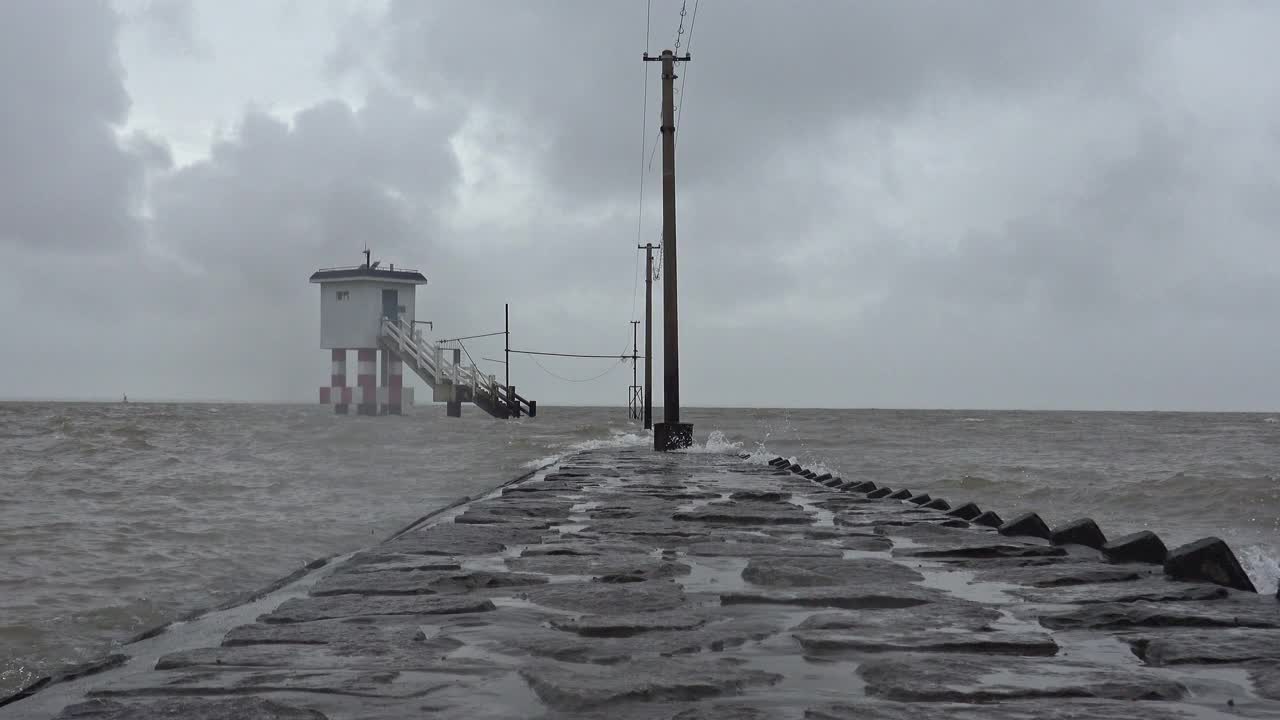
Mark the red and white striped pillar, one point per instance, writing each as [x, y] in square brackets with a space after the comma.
[395, 386]
[367, 381]
[337, 392]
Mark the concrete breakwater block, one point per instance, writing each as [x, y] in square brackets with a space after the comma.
[900, 495]
[989, 519]
[864, 486]
[1208, 559]
[921, 499]
[779, 462]
[967, 511]
[938, 504]
[879, 493]
[1140, 547]
[1079, 532]
[1026, 524]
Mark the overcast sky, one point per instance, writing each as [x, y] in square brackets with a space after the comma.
[881, 204]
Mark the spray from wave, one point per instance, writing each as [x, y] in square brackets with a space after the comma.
[1262, 567]
[717, 443]
[616, 439]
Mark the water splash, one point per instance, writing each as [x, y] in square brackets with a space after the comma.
[1263, 566]
[617, 439]
[716, 444]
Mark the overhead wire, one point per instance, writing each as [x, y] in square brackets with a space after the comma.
[644, 130]
[573, 380]
[468, 354]
[684, 76]
[570, 355]
[472, 337]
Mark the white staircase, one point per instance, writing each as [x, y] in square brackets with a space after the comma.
[451, 381]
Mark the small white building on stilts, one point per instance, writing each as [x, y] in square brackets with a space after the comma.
[356, 303]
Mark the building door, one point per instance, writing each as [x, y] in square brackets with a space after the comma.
[391, 304]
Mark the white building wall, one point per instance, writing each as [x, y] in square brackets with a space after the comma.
[354, 322]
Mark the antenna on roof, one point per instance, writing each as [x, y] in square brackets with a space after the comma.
[366, 256]
[375, 264]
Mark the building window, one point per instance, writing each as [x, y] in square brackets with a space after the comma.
[344, 294]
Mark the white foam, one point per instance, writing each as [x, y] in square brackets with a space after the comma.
[1263, 567]
[1271, 420]
[716, 444]
[617, 439]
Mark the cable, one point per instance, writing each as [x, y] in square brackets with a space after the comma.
[684, 77]
[471, 337]
[468, 354]
[571, 355]
[572, 380]
[644, 131]
[680, 30]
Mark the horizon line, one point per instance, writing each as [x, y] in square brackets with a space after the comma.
[657, 408]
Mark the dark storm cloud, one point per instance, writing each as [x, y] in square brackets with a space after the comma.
[765, 75]
[66, 183]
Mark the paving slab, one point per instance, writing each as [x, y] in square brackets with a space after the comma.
[982, 678]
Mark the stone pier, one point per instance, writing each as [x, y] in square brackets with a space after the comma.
[630, 584]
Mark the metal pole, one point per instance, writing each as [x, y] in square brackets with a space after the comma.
[506, 315]
[648, 337]
[635, 369]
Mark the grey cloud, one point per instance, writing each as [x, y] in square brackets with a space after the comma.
[66, 181]
[170, 27]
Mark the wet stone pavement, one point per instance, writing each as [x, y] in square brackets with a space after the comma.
[626, 584]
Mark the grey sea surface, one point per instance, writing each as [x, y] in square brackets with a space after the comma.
[115, 518]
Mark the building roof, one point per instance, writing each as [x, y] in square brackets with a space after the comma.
[364, 272]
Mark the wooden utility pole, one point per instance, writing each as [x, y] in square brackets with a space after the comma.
[671, 434]
[648, 333]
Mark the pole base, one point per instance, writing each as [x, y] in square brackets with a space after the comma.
[672, 436]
